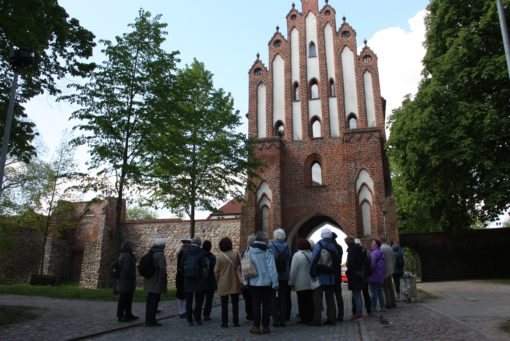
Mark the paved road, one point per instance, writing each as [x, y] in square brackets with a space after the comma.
[465, 311]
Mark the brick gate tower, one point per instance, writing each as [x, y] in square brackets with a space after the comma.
[318, 117]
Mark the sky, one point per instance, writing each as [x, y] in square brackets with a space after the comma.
[226, 35]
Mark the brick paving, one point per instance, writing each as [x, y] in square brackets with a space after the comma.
[68, 319]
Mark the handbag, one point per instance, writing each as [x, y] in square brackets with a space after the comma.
[247, 267]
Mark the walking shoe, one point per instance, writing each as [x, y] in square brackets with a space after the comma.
[153, 324]
[183, 315]
[356, 318]
[315, 323]
[223, 325]
[266, 330]
[132, 317]
[123, 319]
[329, 323]
[237, 325]
[255, 330]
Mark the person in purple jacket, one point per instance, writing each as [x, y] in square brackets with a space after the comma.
[378, 274]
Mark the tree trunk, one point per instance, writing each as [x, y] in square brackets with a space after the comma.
[43, 253]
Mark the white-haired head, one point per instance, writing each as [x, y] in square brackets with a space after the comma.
[161, 242]
[279, 234]
[326, 234]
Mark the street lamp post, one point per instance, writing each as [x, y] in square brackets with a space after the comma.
[504, 32]
[19, 59]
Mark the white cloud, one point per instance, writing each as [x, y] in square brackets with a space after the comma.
[400, 55]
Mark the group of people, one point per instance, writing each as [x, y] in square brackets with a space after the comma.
[265, 274]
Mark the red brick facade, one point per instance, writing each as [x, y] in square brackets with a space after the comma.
[295, 204]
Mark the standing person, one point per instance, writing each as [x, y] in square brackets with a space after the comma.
[211, 280]
[301, 281]
[378, 264]
[281, 253]
[398, 270]
[247, 297]
[389, 291]
[126, 284]
[226, 273]
[355, 274]
[196, 270]
[338, 283]
[180, 294]
[263, 284]
[326, 268]
[157, 284]
[368, 272]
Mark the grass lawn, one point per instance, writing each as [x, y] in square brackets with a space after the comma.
[425, 295]
[505, 281]
[15, 314]
[73, 291]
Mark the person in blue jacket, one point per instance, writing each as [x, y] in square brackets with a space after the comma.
[281, 253]
[326, 269]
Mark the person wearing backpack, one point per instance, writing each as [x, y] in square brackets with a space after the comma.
[180, 294]
[326, 269]
[156, 284]
[196, 271]
[398, 270]
[355, 274]
[378, 265]
[126, 282]
[389, 291]
[211, 280]
[301, 281]
[262, 284]
[338, 284]
[367, 273]
[247, 296]
[281, 254]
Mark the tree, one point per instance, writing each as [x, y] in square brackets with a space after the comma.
[60, 45]
[449, 145]
[114, 105]
[197, 157]
[140, 213]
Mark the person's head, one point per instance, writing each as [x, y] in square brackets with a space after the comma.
[196, 241]
[250, 240]
[357, 241]
[261, 236]
[279, 234]
[160, 242]
[384, 240]
[312, 243]
[303, 244]
[326, 234]
[207, 246]
[225, 244]
[127, 246]
[396, 247]
[349, 241]
[376, 243]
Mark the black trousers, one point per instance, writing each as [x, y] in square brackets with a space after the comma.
[305, 305]
[280, 303]
[396, 279]
[248, 304]
[209, 294]
[366, 298]
[339, 301]
[196, 312]
[151, 308]
[235, 309]
[125, 304]
[261, 302]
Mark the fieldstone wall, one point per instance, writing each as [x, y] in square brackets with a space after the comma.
[57, 259]
[143, 235]
[22, 257]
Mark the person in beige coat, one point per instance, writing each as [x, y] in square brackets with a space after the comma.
[226, 273]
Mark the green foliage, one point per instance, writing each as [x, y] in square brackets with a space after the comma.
[15, 314]
[60, 45]
[506, 223]
[449, 145]
[114, 105]
[74, 292]
[197, 157]
[140, 213]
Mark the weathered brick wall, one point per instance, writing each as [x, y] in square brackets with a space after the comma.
[58, 259]
[143, 235]
[22, 257]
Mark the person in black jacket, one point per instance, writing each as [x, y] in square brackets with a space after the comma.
[196, 270]
[212, 286]
[126, 283]
[355, 275]
[338, 284]
[180, 294]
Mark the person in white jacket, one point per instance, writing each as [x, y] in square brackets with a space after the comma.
[301, 281]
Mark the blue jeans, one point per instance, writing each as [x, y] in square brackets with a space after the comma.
[358, 304]
[377, 294]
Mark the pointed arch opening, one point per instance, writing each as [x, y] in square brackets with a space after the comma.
[332, 88]
[314, 89]
[316, 128]
[312, 50]
[296, 94]
[352, 121]
[279, 129]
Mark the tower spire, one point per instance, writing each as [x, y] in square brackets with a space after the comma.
[310, 5]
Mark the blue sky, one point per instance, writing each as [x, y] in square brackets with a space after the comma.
[226, 35]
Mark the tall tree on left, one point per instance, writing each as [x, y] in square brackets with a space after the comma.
[61, 47]
[114, 106]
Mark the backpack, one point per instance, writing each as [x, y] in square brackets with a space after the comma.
[281, 260]
[147, 268]
[248, 269]
[399, 261]
[115, 270]
[325, 262]
[196, 266]
[367, 264]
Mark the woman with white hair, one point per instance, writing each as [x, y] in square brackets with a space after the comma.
[281, 298]
[157, 284]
